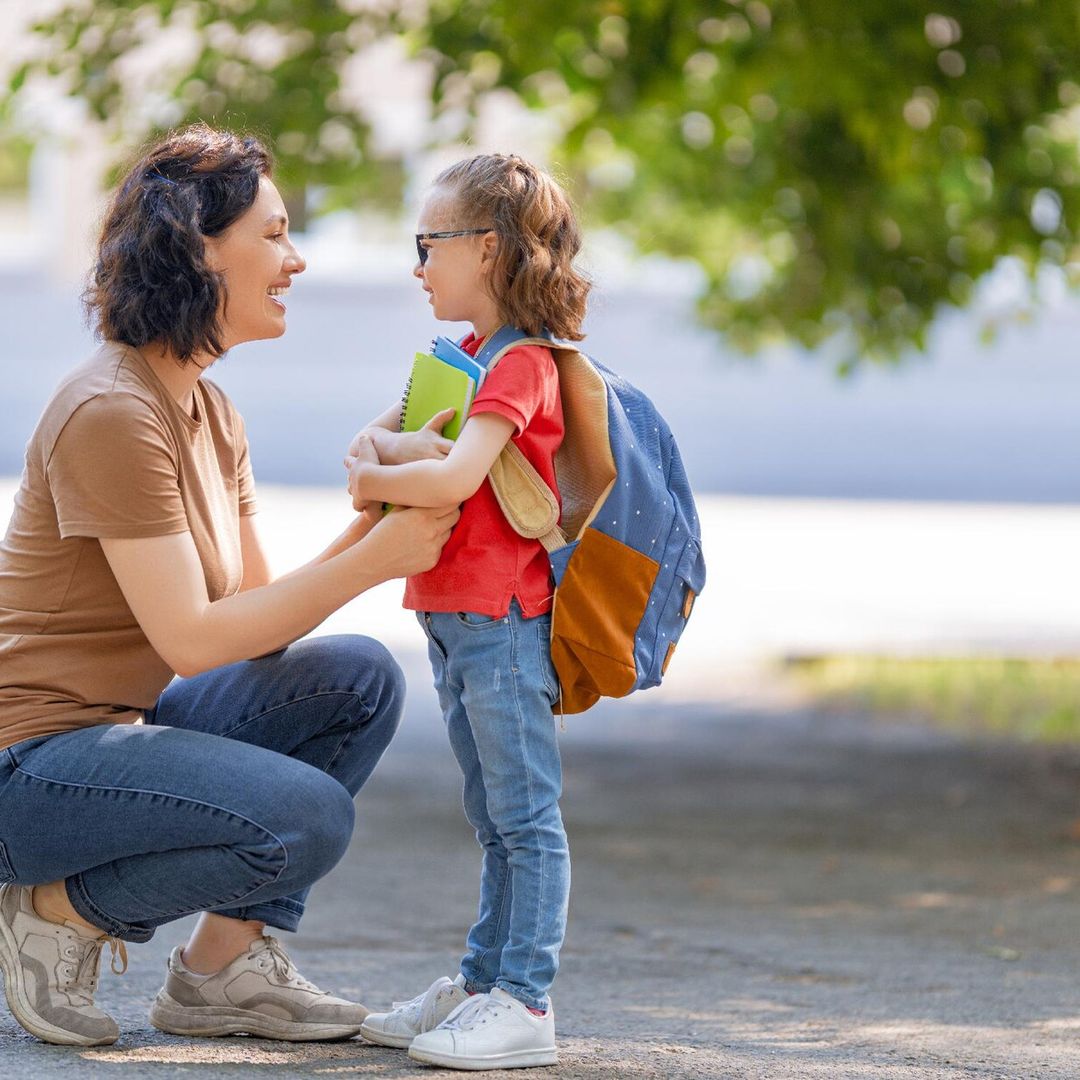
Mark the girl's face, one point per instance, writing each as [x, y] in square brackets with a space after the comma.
[258, 262]
[454, 274]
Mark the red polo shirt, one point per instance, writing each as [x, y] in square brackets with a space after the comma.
[485, 563]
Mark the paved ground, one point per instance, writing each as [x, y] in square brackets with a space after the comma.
[759, 892]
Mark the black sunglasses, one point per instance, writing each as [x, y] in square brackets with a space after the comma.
[422, 252]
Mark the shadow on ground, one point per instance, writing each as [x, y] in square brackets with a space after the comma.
[758, 892]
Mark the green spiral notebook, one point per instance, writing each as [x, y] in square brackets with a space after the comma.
[433, 386]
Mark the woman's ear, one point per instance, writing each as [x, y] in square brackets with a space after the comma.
[489, 247]
[212, 253]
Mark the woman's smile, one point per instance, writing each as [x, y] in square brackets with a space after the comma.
[277, 294]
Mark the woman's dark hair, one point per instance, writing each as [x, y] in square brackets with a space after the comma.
[533, 281]
[151, 281]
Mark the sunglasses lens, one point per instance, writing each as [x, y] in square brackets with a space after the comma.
[421, 252]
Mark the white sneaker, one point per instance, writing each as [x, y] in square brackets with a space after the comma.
[51, 973]
[489, 1031]
[407, 1019]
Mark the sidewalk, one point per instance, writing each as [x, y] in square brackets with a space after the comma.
[793, 577]
[805, 577]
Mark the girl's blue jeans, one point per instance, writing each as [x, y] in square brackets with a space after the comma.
[497, 689]
[234, 796]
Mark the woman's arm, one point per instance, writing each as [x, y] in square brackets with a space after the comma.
[257, 571]
[162, 580]
[438, 481]
[256, 565]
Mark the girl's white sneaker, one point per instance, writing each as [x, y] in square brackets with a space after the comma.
[489, 1031]
[407, 1019]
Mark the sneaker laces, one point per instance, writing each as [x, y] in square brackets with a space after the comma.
[413, 1007]
[83, 974]
[420, 1011]
[479, 1009]
[284, 968]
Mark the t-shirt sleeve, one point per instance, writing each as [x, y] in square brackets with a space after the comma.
[113, 472]
[245, 479]
[521, 385]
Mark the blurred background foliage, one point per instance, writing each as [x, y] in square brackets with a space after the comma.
[838, 171]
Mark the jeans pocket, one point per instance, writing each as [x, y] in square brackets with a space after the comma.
[543, 648]
[478, 622]
[435, 646]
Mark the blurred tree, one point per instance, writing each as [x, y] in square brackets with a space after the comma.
[15, 154]
[836, 169]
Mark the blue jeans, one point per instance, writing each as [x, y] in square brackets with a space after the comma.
[497, 688]
[235, 796]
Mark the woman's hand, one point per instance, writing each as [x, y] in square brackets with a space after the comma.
[409, 541]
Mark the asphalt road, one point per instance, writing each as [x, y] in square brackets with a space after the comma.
[759, 891]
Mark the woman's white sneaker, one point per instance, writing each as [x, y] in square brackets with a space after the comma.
[260, 993]
[407, 1019]
[51, 973]
[489, 1031]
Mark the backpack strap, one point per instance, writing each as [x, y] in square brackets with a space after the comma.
[527, 502]
[502, 341]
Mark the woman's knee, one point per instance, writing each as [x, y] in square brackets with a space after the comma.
[366, 668]
[315, 822]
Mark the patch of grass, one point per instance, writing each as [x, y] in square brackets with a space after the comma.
[1027, 699]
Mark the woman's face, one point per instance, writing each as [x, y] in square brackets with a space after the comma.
[258, 262]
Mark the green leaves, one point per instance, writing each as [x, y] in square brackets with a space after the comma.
[839, 171]
[267, 66]
[836, 169]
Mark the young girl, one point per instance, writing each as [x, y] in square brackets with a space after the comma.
[496, 242]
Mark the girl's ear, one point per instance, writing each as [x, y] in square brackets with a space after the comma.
[489, 247]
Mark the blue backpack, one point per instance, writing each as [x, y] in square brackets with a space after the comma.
[626, 555]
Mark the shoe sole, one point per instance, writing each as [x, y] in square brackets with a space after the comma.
[210, 1021]
[517, 1059]
[381, 1038]
[19, 1001]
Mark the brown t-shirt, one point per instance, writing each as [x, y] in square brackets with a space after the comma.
[113, 455]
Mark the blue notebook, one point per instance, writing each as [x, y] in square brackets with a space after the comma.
[454, 355]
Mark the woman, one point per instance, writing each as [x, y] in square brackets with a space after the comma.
[125, 801]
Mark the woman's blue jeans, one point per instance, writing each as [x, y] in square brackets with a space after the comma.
[497, 687]
[234, 796]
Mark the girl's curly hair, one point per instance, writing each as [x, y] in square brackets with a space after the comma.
[533, 280]
[151, 281]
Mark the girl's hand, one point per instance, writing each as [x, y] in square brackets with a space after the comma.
[428, 442]
[401, 447]
[362, 452]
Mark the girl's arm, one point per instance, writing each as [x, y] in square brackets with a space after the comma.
[162, 580]
[396, 447]
[435, 481]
